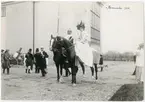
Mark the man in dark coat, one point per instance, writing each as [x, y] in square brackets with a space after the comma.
[38, 60]
[101, 62]
[2, 58]
[134, 59]
[44, 64]
[6, 63]
[29, 60]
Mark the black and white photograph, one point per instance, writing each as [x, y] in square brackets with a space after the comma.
[72, 50]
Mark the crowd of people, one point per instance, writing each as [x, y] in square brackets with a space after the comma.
[38, 59]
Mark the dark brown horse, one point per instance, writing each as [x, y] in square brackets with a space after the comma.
[56, 45]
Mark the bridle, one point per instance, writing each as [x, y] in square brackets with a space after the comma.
[53, 45]
[58, 49]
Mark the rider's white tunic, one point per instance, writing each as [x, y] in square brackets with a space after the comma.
[82, 48]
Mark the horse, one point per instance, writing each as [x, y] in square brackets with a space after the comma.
[59, 58]
[56, 44]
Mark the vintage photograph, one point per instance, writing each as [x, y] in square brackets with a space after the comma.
[72, 50]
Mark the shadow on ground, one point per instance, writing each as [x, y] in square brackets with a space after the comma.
[129, 92]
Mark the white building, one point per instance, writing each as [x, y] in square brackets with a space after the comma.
[30, 24]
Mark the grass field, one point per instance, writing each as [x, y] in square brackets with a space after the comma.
[129, 92]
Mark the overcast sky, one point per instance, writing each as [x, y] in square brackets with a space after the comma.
[121, 29]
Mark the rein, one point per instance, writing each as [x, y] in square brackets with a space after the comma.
[58, 50]
[69, 47]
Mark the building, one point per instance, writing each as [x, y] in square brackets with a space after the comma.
[29, 24]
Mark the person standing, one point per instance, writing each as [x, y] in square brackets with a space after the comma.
[6, 63]
[2, 58]
[134, 59]
[140, 64]
[44, 64]
[37, 60]
[101, 62]
[29, 61]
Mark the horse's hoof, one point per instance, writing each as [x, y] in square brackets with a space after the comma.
[61, 80]
[97, 79]
[74, 85]
[93, 77]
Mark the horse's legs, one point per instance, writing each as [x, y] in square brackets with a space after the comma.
[61, 70]
[101, 68]
[92, 70]
[61, 78]
[82, 65]
[29, 69]
[96, 71]
[67, 72]
[57, 67]
[74, 70]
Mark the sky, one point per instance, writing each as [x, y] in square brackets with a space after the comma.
[121, 26]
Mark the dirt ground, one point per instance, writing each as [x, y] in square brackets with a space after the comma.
[21, 86]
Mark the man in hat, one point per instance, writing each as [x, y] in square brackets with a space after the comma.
[44, 56]
[6, 64]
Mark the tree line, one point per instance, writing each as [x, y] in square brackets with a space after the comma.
[117, 56]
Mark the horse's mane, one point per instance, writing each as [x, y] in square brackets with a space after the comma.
[66, 42]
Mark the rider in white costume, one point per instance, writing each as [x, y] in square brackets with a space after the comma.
[82, 48]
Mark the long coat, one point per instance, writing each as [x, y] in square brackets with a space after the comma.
[6, 58]
[44, 56]
[39, 60]
[29, 59]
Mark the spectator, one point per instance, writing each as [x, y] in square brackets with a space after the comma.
[6, 64]
[2, 58]
[101, 62]
[38, 60]
[44, 64]
[29, 61]
[140, 64]
[134, 59]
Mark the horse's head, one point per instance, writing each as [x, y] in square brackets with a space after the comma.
[55, 43]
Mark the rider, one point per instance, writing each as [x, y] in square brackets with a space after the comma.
[69, 35]
[82, 48]
[70, 38]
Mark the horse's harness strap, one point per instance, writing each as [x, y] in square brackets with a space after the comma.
[70, 47]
